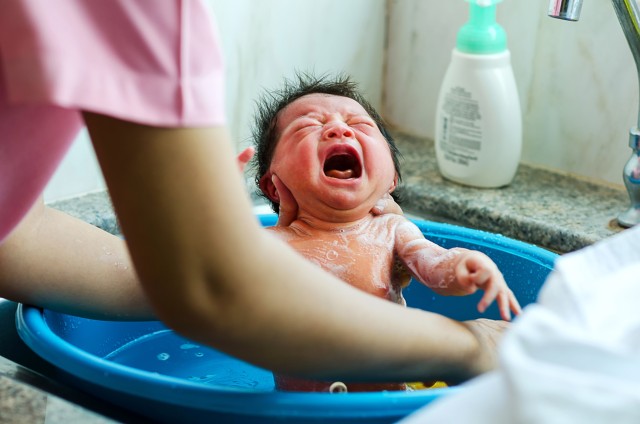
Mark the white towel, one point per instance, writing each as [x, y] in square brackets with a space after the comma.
[573, 357]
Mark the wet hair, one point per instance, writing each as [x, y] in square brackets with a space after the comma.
[271, 103]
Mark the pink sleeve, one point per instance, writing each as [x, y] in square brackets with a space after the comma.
[148, 61]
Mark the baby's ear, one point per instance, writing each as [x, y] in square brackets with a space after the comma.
[394, 184]
[268, 188]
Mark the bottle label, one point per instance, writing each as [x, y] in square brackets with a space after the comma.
[461, 122]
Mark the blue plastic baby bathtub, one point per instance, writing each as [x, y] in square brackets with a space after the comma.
[149, 369]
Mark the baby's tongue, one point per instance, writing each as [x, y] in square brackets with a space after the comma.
[340, 174]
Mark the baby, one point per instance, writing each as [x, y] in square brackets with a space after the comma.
[322, 146]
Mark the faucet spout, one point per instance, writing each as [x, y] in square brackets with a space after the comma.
[628, 14]
[569, 10]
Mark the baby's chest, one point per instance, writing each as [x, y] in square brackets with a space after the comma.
[347, 249]
[363, 261]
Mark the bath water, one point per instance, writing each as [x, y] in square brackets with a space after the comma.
[166, 353]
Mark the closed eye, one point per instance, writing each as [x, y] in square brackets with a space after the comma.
[306, 124]
[361, 122]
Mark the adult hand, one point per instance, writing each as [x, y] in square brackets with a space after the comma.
[385, 205]
[488, 333]
[288, 206]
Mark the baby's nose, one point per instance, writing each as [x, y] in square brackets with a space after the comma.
[337, 131]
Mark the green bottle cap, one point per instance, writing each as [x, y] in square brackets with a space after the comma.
[482, 34]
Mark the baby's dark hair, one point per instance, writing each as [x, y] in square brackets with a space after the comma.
[272, 102]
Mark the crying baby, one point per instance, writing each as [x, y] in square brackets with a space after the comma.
[323, 143]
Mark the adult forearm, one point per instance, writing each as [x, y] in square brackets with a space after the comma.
[58, 262]
[309, 323]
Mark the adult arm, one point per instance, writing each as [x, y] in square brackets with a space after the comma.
[58, 262]
[62, 263]
[215, 276]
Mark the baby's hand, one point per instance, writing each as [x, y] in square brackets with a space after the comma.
[244, 157]
[476, 270]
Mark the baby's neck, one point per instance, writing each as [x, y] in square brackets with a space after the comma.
[333, 223]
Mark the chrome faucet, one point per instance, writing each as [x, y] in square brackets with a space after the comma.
[629, 17]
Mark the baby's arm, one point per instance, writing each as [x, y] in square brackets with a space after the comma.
[453, 272]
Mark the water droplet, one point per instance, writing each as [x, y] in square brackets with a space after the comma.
[163, 356]
[199, 354]
[186, 346]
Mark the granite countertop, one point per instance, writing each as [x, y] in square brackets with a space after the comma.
[31, 390]
[545, 208]
[21, 402]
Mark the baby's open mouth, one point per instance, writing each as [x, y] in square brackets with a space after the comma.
[343, 165]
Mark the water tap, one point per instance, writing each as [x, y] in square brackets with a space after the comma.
[629, 16]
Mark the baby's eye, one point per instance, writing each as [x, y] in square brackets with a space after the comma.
[306, 125]
[361, 122]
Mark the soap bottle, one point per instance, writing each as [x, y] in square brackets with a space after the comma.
[478, 135]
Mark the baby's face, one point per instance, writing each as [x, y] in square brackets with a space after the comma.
[332, 156]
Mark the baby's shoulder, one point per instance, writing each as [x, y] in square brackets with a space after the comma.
[392, 224]
[404, 228]
[284, 233]
[392, 220]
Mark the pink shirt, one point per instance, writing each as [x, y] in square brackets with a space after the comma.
[147, 61]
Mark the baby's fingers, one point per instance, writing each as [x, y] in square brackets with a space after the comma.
[504, 306]
[244, 157]
[507, 303]
[386, 204]
[514, 304]
[472, 275]
[490, 294]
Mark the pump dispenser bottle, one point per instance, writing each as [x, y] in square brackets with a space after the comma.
[478, 136]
